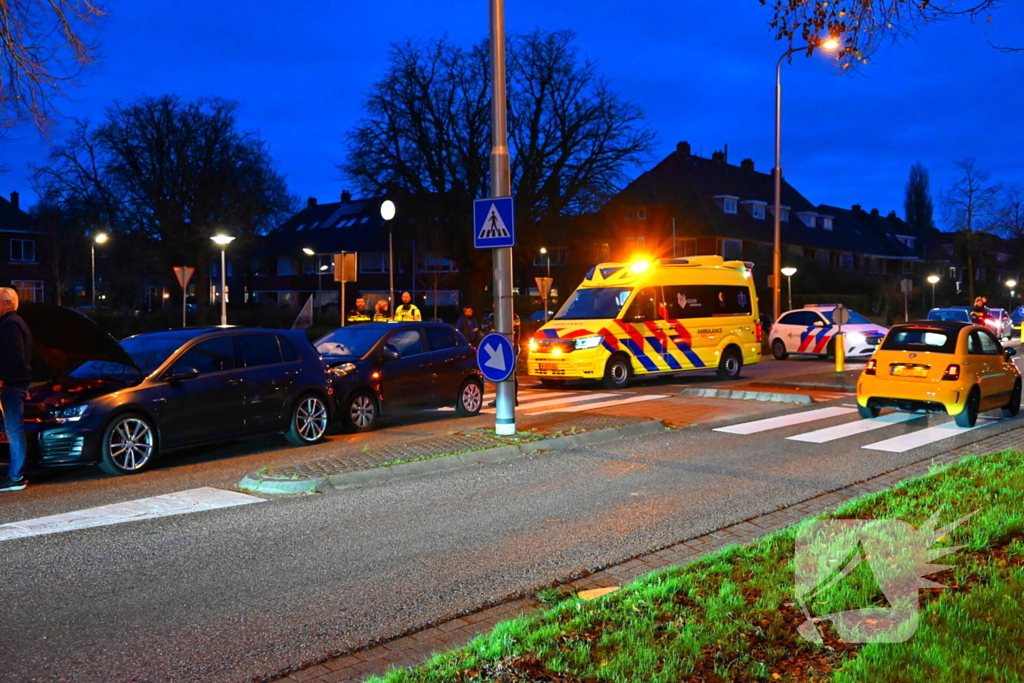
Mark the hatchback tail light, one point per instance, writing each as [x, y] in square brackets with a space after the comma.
[952, 372]
[869, 369]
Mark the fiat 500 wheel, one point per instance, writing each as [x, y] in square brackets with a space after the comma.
[129, 444]
[1013, 407]
[868, 411]
[968, 417]
[309, 421]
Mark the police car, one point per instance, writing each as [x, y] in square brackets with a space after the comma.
[811, 331]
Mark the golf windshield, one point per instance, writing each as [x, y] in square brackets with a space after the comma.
[594, 303]
[149, 353]
[349, 342]
[855, 318]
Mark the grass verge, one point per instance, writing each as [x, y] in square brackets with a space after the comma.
[731, 616]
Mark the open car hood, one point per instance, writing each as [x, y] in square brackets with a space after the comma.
[63, 339]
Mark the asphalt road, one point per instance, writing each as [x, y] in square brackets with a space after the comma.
[232, 594]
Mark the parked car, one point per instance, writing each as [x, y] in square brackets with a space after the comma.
[1000, 323]
[811, 331]
[939, 366]
[957, 314]
[388, 368]
[120, 405]
[997, 319]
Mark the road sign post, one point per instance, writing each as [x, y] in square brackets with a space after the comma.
[496, 357]
[183, 275]
[345, 266]
[544, 289]
[840, 315]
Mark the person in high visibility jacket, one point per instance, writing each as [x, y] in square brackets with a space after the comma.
[382, 314]
[359, 314]
[407, 310]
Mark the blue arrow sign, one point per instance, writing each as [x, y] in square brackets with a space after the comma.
[493, 225]
[496, 357]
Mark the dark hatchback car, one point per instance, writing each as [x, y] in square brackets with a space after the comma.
[388, 368]
[119, 405]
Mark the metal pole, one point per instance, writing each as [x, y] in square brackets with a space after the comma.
[341, 303]
[92, 249]
[933, 295]
[391, 267]
[501, 186]
[777, 251]
[673, 237]
[223, 288]
[184, 306]
[789, 283]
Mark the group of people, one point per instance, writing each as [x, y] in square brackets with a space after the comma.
[407, 311]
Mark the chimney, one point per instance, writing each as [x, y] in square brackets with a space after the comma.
[725, 154]
[683, 148]
[346, 196]
[15, 198]
[747, 165]
[892, 214]
[718, 156]
[856, 207]
[874, 212]
[311, 202]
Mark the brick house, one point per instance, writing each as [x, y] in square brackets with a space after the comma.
[22, 258]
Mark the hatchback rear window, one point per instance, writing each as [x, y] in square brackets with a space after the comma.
[932, 339]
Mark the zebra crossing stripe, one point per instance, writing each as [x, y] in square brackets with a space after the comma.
[853, 428]
[785, 420]
[554, 402]
[608, 404]
[906, 442]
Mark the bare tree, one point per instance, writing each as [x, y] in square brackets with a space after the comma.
[42, 50]
[863, 25]
[174, 171]
[970, 207]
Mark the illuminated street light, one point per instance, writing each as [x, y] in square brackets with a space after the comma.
[223, 241]
[99, 238]
[1010, 284]
[934, 280]
[830, 44]
[789, 272]
[387, 212]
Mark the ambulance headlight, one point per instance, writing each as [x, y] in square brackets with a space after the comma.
[856, 338]
[584, 343]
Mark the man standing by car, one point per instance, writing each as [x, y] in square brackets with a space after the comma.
[467, 325]
[15, 375]
[407, 311]
[979, 313]
[359, 314]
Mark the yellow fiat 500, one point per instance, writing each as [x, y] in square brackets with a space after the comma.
[940, 367]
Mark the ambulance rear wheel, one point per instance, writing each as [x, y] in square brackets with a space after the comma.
[730, 365]
[617, 373]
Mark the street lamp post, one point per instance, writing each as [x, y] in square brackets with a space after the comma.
[789, 272]
[316, 264]
[544, 299]
[1010, 284]
[934, 280]
[387, 212]
[99, 238]
[223, 241]
[830, 45]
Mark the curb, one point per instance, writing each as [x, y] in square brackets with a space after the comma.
[822, 386]
[254, 483]
[773, 396]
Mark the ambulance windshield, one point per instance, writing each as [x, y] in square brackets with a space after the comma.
[594, 303]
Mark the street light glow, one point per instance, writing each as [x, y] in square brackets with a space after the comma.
[1011, 283]
[933, 279]
[789, 271]
[101, 238]
[387, 209]
[223, 240]
[307, 251]
[543, 250]
[831, 44]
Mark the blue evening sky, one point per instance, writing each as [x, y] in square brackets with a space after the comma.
[703, 70]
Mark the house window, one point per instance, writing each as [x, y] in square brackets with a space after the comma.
[953, 274]
[846, 261]
[729, 206]
[876, 265]
[979, 273]
[822, 256]
[559, 256]
[641, 213]
[727, 202]
[908, 267]
[602, 252]
[23, 251]
[439, 264]
[284, 265]
[373, 262]
[826, 222]
[757, 211]
[808, 219]
[686, 247]
[445, 297]
[732, 249]
[29, 290]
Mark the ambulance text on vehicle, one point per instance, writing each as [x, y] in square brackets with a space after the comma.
[664, 317]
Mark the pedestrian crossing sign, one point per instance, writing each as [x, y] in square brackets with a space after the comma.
[493, 225]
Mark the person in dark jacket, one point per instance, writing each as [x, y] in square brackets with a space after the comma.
[467, 325]
[15, 375]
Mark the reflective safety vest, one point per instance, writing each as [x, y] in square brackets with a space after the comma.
[356, 316]
[381, 318]
[407, 313]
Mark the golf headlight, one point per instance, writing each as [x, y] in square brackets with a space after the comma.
[74, 413]
[856, 338]
[343, 369]
[584, 343]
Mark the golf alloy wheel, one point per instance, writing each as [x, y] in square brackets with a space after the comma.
[128, 445]
[309, 421]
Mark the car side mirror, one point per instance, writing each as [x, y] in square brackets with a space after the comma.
[181, 374]
[1009, 353]
[390, 353]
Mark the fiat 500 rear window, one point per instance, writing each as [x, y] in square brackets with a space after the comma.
[921, 339]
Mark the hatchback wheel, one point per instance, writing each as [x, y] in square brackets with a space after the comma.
[129, 444]
[779, 350]
[309, 421]
[869, 411]
[471, 398]
[968, 417]
[1013, 407]
[360, 412]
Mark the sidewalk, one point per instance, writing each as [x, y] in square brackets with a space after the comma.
[359, 467]
[826, 379]
[416, 647]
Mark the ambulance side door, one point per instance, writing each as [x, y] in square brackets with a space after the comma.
[640, 331]
[681, 305]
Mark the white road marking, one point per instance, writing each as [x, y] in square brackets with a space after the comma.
[785, 420]
[180, 503]
[554, 402]
[524, 396]
[608, 404]
[852, 428]
[901, 444]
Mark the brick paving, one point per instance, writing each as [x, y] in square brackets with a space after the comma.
[415, 648]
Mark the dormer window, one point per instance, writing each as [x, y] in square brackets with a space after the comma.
[755, 207]
[727, 203]
[825, 222]
[906, 240]
[783, 213]
[808, 218]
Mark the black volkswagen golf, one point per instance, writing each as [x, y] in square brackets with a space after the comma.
[388, 368]
[119, 405]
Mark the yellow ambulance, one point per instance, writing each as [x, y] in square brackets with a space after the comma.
[652, 318]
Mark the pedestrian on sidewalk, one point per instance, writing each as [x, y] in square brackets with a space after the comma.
[407, 310]
[15, 375]
[467, 325]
